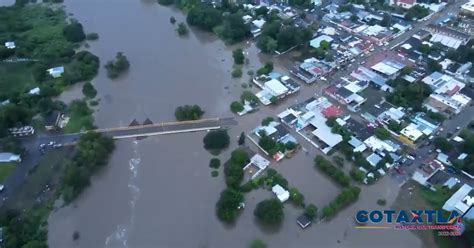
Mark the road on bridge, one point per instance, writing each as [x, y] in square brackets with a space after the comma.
[33, 155]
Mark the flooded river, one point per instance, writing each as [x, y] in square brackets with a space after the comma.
[158, 192]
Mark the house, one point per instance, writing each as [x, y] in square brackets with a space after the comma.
[303, 221]
[389, 68]
[347, 94]
[316, 42]
[374, 159]
[258, 163]
[278, 133]
[467, 9]
[256, 27]
[425, 124]
[7, 157]
[377, 80]
[281, 193]
[461, 201]
[311, 69]
[449, 37]
[375, 144]
[412, 132]
[55, 120]
[426, 170]
[34, 91]
[357, 144]
[440, 177]
[56, 72]
[10, 45]
[446, 97]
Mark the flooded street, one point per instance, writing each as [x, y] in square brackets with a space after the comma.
[158, 192]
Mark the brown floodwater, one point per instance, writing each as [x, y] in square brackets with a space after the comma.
[158, 192]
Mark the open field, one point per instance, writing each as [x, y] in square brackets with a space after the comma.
[5, 170]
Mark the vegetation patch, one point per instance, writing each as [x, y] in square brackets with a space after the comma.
[118, 66]
[188, 113]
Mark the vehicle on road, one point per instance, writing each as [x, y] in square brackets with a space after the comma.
[410, 157]
[458, 128]
[451, 169]
[2, 187]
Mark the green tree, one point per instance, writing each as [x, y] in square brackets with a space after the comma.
[311, 211]
[257, 243]
[74, 32]
[290, 145]
[88, 90]
[296, 197]
[442, 144]
[269, 212]
[182, 29]
[241, 139]
[433, 66]
[172, 20]
[188, 112]
[216, 140]
[267, 120]
[236, 107]
[237, 73]
[204, 16]
[386, 21]
[215, 163]
[357, 174]
[262, 11]
[117, 66]
[382, 133]
[228, 204]
[249, 96]
[238, 56]
[234, 29]
[166, 2]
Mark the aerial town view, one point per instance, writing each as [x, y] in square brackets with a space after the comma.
[236, 123]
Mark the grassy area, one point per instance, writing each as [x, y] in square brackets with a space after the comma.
[81, 117]
[48, 171]
[15, 78]
[5, 170]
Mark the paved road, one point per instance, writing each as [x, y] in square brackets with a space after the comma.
[33, 155]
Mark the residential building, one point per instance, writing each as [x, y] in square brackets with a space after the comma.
[412, 132]
[388, 68]
[10, 45]
[467, 9]
[303, 221]
[7, 157]
[257, 165]
[316, 42]
[56, 72]
[461, 201]
[281, 193]
[311, 69]
[426, 170]
[449, 37]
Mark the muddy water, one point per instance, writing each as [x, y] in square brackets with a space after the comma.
[158, 192]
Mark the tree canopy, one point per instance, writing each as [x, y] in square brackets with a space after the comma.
[204, 16]
[188, 112]
[216, 140]
[74, 32]
[116, 67]
[228, 203]
[269, 212]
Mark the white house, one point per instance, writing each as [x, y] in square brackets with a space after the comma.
[461, 200]
[56, 71]
[258, 161]
[6, 157]
[10, 45]
[281, 193]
